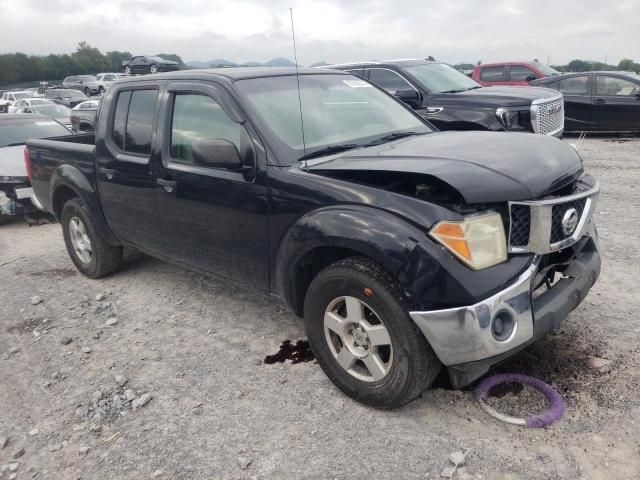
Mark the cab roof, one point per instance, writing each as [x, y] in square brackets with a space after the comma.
[232, 73]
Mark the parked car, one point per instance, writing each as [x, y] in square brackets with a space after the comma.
[105, 80]
[88, 84]
[403, 248]
[452, 101]
[19, 105]
[65, 96]
[148, 64]
[598, 101]
[16, 195]
[60, 113]
[9, 98]
[83, 116]
[511, 73]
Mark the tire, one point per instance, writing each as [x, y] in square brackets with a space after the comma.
[87, 92]
[406, 367]
[4, 219]
[153, 68]
[104, 258]
[127, 70]
[100, 90]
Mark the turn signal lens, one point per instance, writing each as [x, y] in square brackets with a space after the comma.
[478, 241]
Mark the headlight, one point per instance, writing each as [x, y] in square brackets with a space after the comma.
[478, 241]
[516, 119]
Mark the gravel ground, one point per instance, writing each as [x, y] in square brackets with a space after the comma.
[158, 372]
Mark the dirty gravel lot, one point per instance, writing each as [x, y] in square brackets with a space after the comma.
[191, 347]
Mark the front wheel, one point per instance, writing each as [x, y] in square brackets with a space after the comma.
[127, 70]
[88, 250]
[359, 330]
[87, 92]
[153, 68]
[100, 90]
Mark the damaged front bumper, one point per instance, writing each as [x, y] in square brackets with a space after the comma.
[469, 340]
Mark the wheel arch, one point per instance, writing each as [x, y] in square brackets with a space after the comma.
[68, 182]
[328, 235]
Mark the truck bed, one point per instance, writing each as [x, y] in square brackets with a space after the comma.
[55, 157]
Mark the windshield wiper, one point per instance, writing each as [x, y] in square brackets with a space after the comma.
[473, 88]
[393, 136]
[329, 150]
[453, 91]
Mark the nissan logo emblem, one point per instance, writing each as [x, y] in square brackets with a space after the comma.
[569, 221]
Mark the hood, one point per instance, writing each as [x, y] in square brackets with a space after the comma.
[484, 167]
[499, 96]
[12, 162]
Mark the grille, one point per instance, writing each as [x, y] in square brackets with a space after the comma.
[520, 225]
[548, 116]
[558, 212]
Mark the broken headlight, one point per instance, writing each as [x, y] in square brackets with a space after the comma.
[514, 119]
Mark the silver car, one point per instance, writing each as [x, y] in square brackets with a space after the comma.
[85, 83]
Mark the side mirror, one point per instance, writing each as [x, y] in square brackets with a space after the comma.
[217, 153]
[409, 96]
[530, 78]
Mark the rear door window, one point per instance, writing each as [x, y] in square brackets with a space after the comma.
[615, 86]
[133, 120]
[492, 74]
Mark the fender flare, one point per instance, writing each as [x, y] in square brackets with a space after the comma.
[381, 236]
[68, 176]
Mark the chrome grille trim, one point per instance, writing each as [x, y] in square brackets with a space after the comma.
[544, 119]
[541, 219]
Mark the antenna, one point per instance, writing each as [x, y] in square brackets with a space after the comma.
[295, 59]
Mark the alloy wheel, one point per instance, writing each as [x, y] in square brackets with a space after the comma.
[80, 240]
[357, 339]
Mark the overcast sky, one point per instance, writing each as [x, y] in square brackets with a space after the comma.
[335, 31]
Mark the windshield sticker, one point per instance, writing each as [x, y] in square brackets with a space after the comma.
[43, 124]
[357, 83]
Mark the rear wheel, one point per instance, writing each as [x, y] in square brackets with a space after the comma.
[90, 253]
[153, 68]
[127, 70]
[87, 92]
[100, 90]
[359, 329]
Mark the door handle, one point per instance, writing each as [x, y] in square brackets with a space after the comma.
[168, 185]
[107, 172]
[599, 100]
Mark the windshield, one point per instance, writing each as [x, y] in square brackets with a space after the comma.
[56, 111]
[547, 70]
[17, 132]
[441, 78]
[87, 78]
[336, 110]
[20, 96]
[157, 59]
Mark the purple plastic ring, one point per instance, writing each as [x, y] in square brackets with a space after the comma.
[552, 414]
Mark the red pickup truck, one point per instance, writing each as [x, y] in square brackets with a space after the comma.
[511, 73]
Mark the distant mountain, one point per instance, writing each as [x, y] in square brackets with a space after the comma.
[221, 62]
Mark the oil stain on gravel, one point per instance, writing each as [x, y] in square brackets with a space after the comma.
[298, 353]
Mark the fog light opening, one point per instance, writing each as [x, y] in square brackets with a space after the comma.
[503, 325]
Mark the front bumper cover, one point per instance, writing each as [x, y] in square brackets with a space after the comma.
[463, 340]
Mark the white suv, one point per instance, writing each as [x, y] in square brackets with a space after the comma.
[9, 98]
[105, 80]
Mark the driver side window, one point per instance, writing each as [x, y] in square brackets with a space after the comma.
[199, 117]
[615, 86]
[388, 80]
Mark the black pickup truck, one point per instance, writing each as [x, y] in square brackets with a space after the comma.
[403, 248]
[452, 101]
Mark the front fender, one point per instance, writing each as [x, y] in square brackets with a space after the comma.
[67, 177]
[370, 232]
[429, 276]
